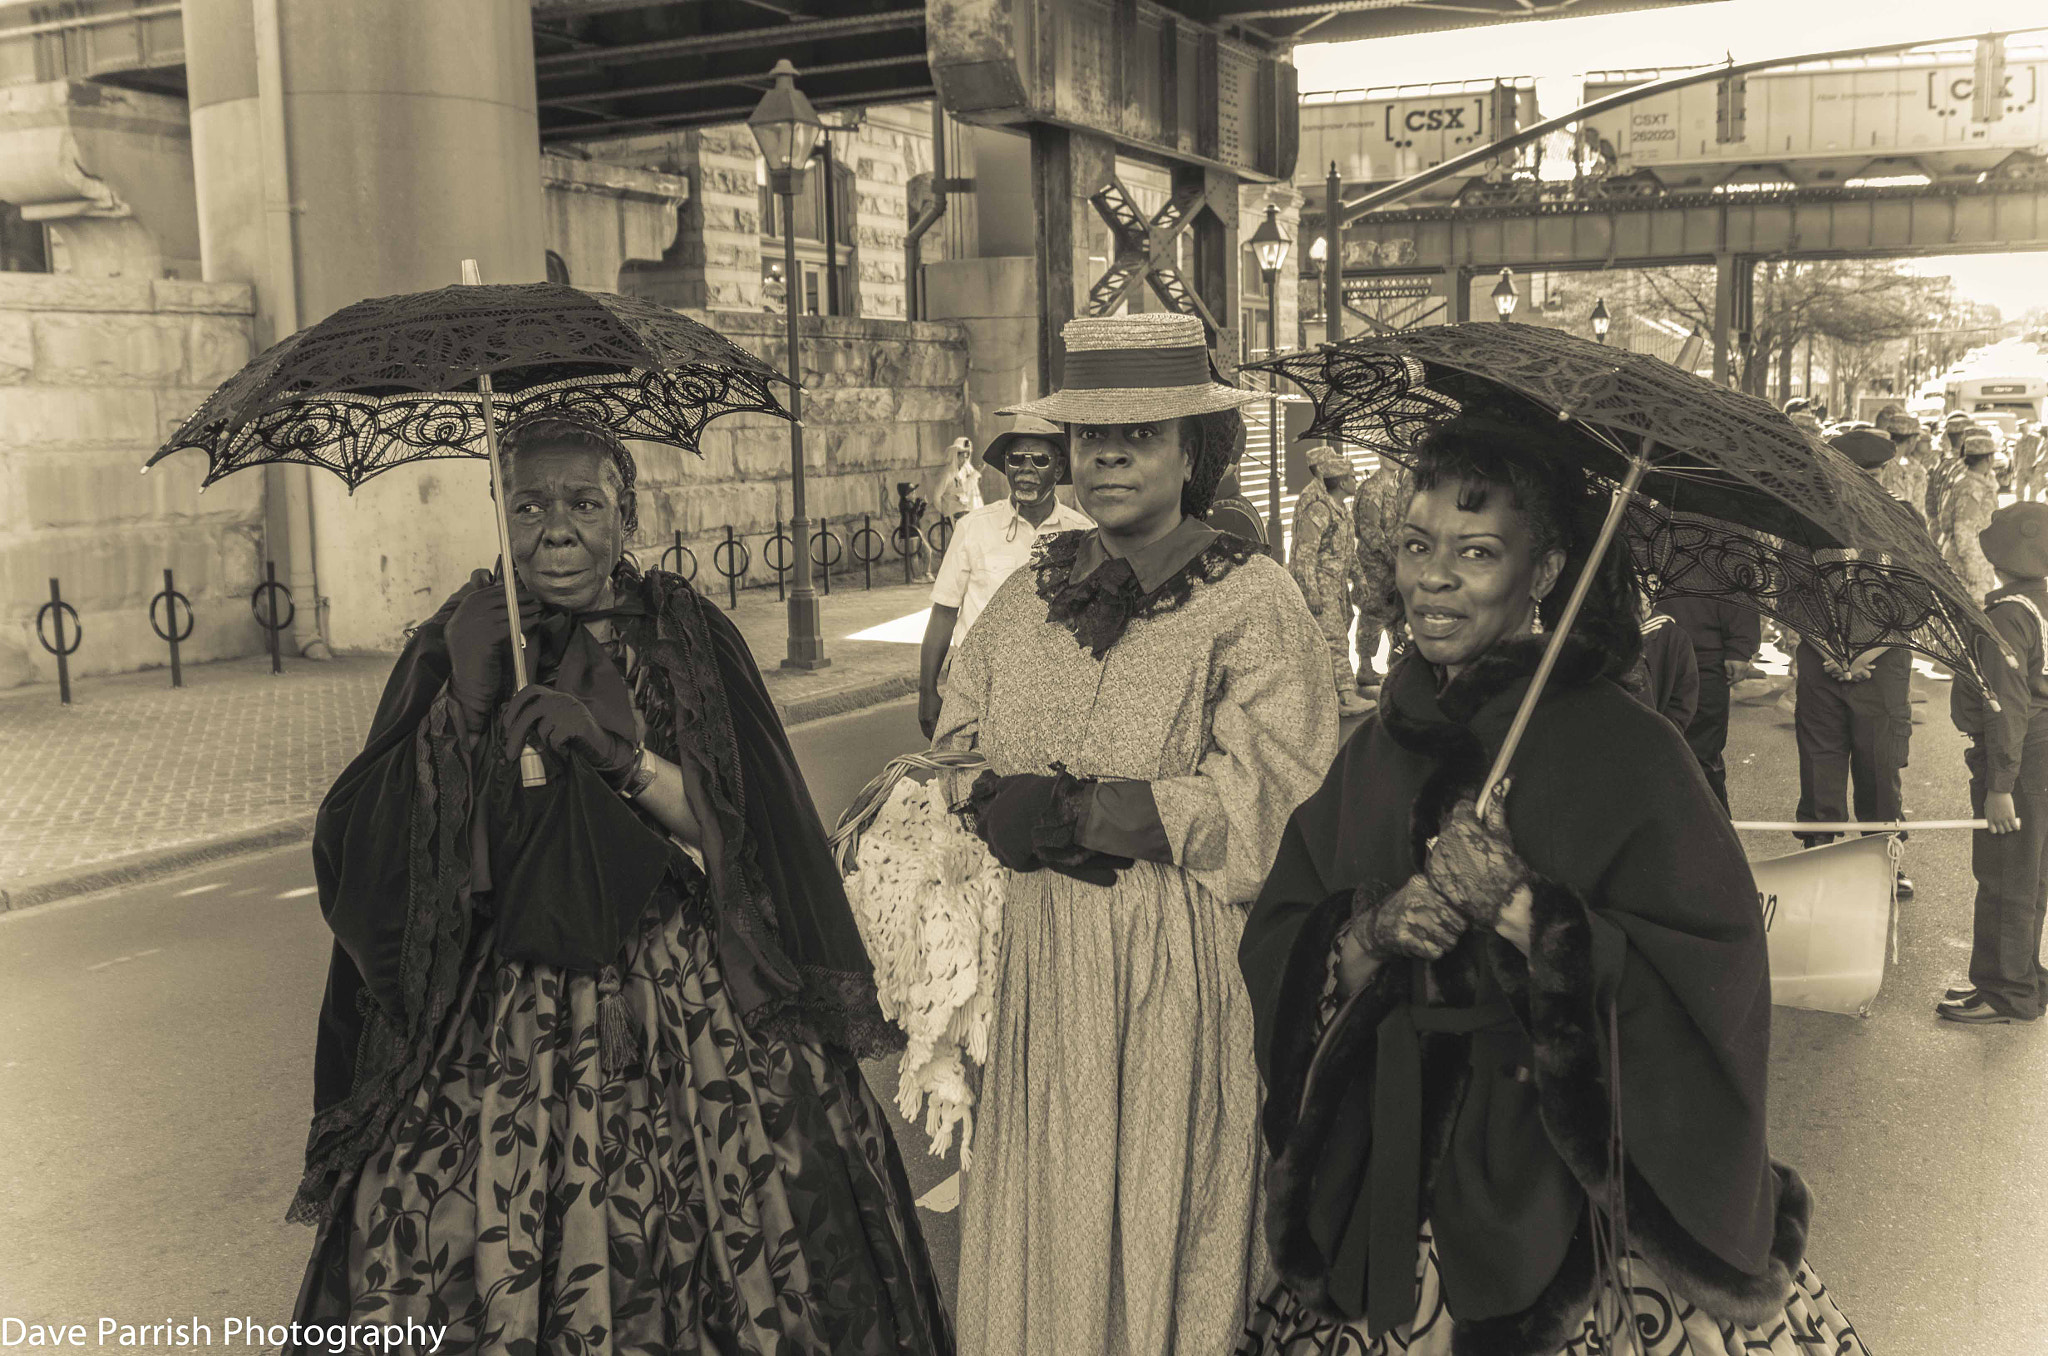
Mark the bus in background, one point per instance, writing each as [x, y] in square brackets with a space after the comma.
[1981, 395]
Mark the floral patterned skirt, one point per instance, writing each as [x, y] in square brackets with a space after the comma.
[1665, 1324]
[731, 1193]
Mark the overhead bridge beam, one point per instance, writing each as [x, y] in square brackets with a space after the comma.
[752, 39]
[1698, 228]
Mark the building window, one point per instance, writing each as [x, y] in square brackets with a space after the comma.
[809, 211]
[558, 272]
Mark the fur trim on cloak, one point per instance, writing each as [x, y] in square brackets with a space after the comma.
[1554, 999]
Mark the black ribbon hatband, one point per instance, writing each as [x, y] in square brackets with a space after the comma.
[1106, 369]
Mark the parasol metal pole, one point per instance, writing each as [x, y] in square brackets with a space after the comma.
[1612, 525]
[532, 772]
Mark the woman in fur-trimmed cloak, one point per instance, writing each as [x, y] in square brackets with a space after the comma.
[1435, 1170]
[587, 1078]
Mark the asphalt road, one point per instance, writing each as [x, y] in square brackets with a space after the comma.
[154, 1084]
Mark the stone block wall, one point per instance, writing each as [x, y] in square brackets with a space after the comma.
[94, 374]
[893, 147]
[883, 401]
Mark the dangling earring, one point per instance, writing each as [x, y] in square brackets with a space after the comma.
[1535, 616]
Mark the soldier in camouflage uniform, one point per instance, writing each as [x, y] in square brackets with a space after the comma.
[1324, 562]
[1904, 477]
[1376, 516]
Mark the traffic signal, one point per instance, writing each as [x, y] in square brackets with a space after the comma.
[1731, 109]
[1987, 98]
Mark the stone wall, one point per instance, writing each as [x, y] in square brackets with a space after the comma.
[605, 221]
[893, 147]
[94, 374]
[883, 401]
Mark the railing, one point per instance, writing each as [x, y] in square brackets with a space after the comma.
[855, 541]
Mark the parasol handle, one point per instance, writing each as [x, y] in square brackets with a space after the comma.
[532, 772]
[1637, 465]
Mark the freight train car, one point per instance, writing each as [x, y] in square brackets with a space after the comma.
[1380, 135]
[1862, 122]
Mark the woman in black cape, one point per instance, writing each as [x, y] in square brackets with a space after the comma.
[586, 1078]
[1441, 1172]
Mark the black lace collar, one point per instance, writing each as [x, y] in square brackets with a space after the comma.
[1099, 606]
[1425, 714]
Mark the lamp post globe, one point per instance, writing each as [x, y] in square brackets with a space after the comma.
[1271, 242]
[1504, 294]
[787, 129]
[1601, 320]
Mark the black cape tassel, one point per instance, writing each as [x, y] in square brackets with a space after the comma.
[619, 1043]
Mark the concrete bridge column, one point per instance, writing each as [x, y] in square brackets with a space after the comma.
[1067, 167]
[390, 140]
[1734, 276]
[1457, 295]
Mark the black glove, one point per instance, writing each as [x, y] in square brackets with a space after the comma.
[566, 725]
[1002, 812]
[480, 649]
[1474, 865]
[1413, 921]
[1024, 817]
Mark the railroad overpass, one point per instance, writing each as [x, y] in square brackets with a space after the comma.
[1453, 243]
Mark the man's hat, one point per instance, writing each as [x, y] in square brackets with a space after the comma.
[2017, 539]
[1899, 424]
[1126, 369]
[1979, 442]
[1867, 449]
[1327, 461]
[997, 454]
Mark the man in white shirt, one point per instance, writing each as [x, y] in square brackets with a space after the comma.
[962, 494]
[992, 543]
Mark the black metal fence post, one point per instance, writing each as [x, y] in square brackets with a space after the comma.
[782, 562]
[55, 610]
[731, 558]
[683, 556]
[825, 560]
[266, 593]
[939, 536]
[169, 630]
[867, 547]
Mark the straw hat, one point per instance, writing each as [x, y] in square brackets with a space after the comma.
[997, 453]
[2017, 540]
[1125, 369]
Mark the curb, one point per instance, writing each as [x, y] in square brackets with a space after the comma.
[146, 866]
[856, 697]
[141, 867]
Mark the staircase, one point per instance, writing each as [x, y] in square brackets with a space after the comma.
[1255, 475]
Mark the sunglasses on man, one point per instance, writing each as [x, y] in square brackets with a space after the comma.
[1041, 460]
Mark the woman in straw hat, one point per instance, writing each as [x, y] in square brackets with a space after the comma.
[1154, 699]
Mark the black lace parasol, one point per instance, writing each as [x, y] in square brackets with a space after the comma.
[1732, 500]
[394, 379]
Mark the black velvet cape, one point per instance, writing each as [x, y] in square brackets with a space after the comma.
[401, 853]
[1643, 896]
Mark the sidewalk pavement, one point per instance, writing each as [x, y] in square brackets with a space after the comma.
[136, 779]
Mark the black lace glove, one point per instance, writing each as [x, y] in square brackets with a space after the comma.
[566, 725]
[1474, 866]
[1413, 921]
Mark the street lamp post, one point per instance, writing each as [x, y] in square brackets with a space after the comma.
[1270, 243]
[1318, 257]
[787, 130]
[1504, 294]
[1601, 320]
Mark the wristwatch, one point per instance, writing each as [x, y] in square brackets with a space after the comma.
[641, 777]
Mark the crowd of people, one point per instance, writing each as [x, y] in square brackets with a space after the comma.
[1298, 1045]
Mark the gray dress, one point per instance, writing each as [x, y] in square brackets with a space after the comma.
[1114, 1202]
